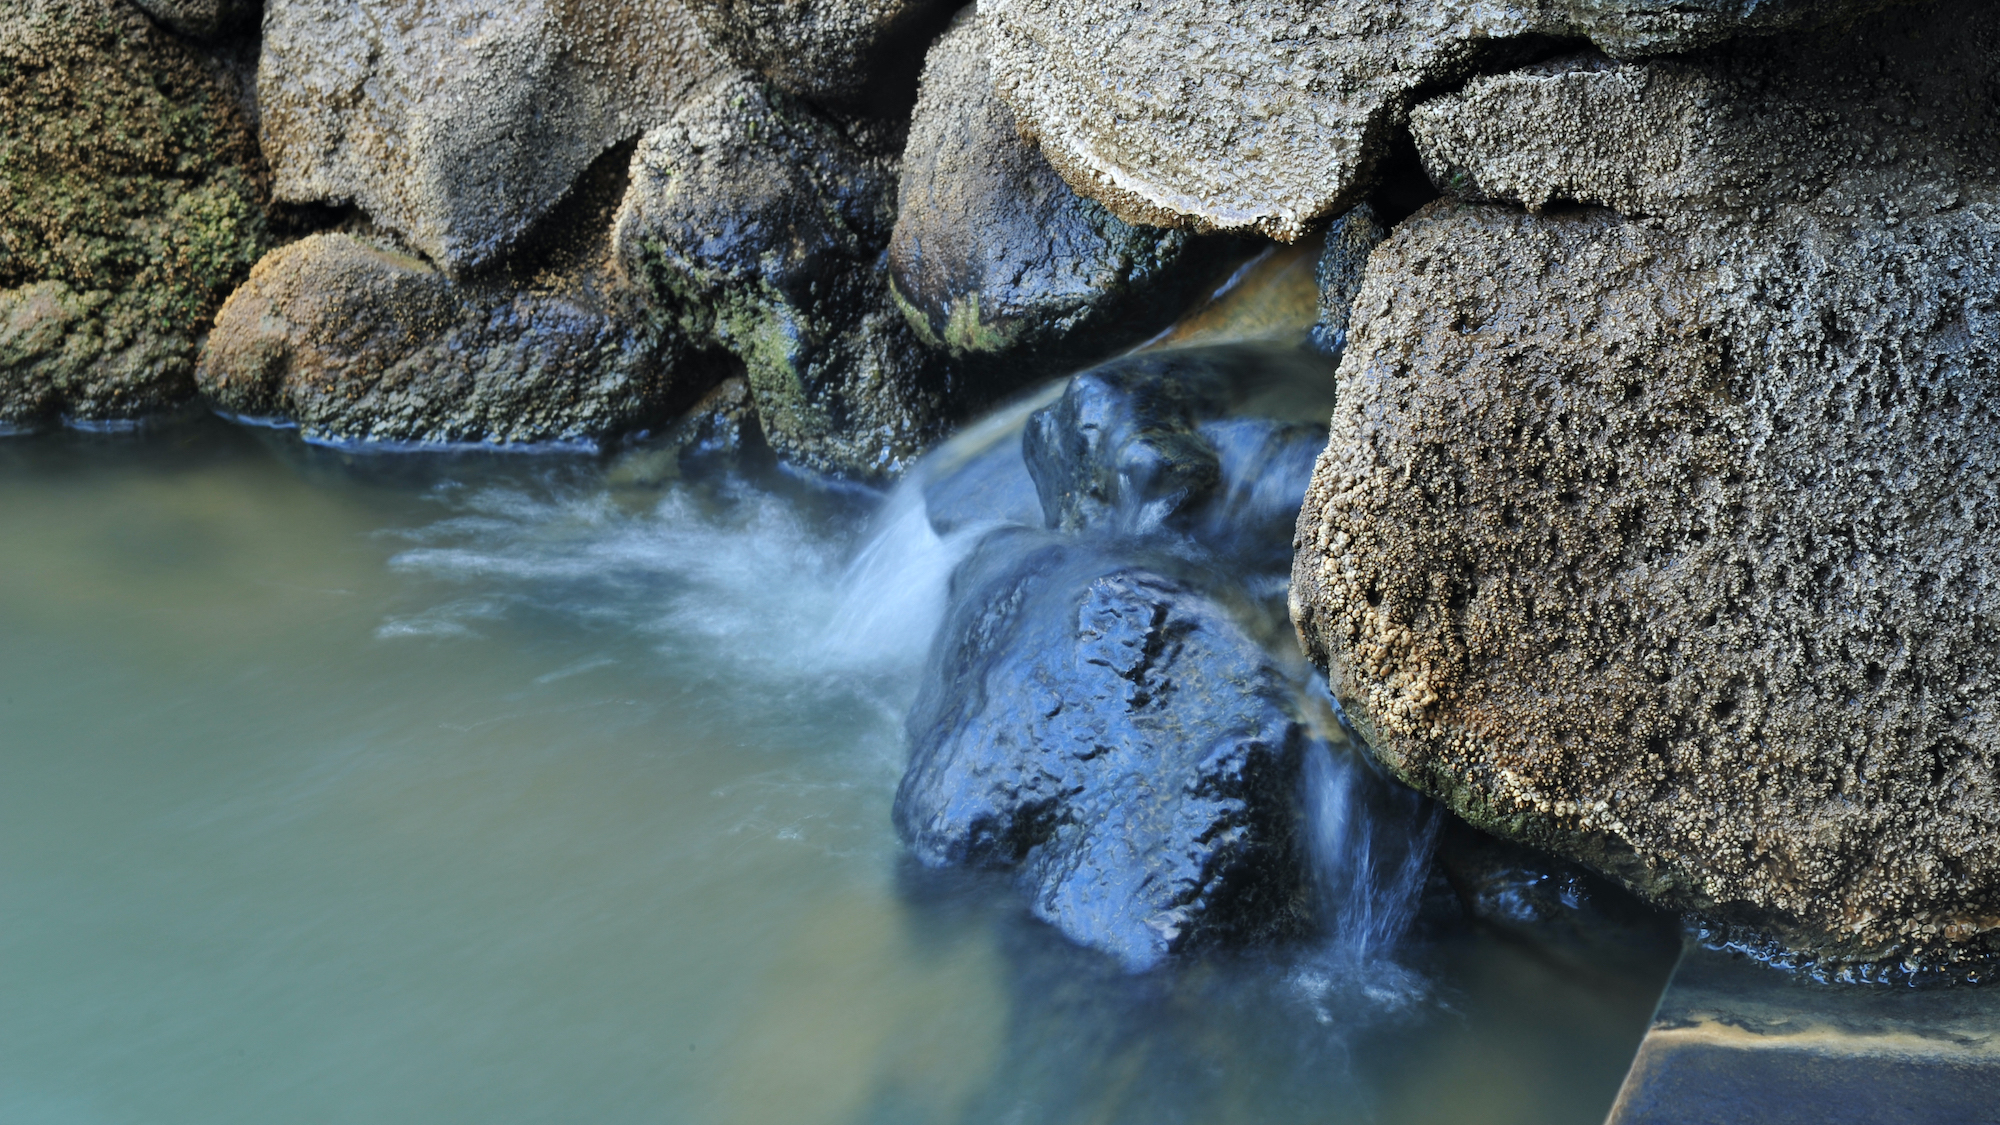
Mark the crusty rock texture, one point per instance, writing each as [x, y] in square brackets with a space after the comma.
[130, 205]
[456, 124]
[856, 56]
[1268, 115]
[203, 19]
[1670, 540]
[356, 341]
[994, 255]
[761, 227]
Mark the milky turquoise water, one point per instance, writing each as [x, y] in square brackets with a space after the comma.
[428, 789]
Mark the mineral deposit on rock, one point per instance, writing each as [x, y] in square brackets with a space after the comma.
[1670, 540]
[457, 124]
[857, 56]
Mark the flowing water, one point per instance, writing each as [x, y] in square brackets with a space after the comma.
[482, 788]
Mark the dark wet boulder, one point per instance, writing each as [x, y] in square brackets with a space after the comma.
[1342, 258]
[130, 205]
[994, 256]
[204, 19]
[759, 225]
[1114, 735]
[849, 56]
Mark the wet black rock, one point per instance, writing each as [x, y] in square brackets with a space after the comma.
[1342, 258]
[1094, 720]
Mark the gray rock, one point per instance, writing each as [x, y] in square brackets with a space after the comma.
[994, 255]
[129, 208]
[456, 124]
[358, 342]
[1669, 543]
[1343, 259]
[854, 56]
[203, 19]
[1270, 115]
[760, 226]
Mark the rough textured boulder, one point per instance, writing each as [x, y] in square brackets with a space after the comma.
[203, 19]
[1669, 543]
[1272, 114]
[130, 206]
[356, 341]
[760, 226]
[851, 56]
[994, 255]
[1118, 738]
[455, 124]
[1343, 260]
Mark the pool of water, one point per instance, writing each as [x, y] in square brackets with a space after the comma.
[423, 788]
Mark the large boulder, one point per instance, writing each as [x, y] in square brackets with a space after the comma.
[850, 56]
[1670, 540]
[758, 224]
[130, 205]
[993, 255]
[457, 124]
[1270, 115]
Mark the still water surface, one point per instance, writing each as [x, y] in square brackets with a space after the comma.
[435, 789]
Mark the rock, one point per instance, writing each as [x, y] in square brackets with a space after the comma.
[1343, 258]
[130, 205]
[356, 341]
[455, 124]
[993, 255]
[1270, 115]
[761, 227]
[850, 56]
[1669, 544]
[203, 19]
[718, 433]
[1114, 735]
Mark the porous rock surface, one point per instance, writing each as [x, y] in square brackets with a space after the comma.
[130, 205]
[457, 124]
[203, 19]
[993, 254]
[1269, 115]
[356, 341]
[852, 56]
[759, 225]
[1670, 540]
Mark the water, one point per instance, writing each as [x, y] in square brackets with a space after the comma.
[438, 789]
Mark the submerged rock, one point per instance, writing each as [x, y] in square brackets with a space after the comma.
[130, 205]
[1670, 544]
[1270, 115]
[761, 227]
[1115, 735]
[455, 124]
[993, 255]
[854, 56]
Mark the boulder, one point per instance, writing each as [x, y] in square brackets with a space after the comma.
[849, 56]
[1110, 732]
[456, 125]
[356, 341]
[1666, 539]
[130, 205]
[760, 226]
[1270, 115]
[1343, 258]
[203, 19]
[994, 256]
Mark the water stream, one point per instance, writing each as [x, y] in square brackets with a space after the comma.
[481, 788]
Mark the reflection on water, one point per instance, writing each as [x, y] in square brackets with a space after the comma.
[474, 788]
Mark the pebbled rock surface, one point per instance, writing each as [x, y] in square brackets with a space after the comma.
[1269, 115]
[203, 19]
[131, 203]
[760, 226]
[1113, 734]
[1667, 540]
[849, 56]
[994, 255]
[457, 125]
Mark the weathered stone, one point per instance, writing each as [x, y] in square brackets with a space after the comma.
[1343, 259]
[356, 341]
[203, 19]
[761, 227]
[130, 206]
[1118, 738]
[1673, 545]
[1269, 115]
[455, 124]
[856, 56]
[994, 255]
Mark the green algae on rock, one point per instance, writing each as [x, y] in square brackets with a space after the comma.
[130, 206]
